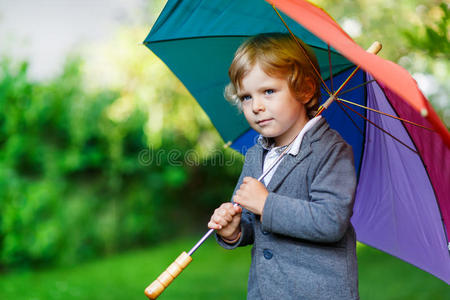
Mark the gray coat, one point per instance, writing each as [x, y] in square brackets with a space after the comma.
[305, 246]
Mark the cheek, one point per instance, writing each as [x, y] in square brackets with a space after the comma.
[290, 110]
[246, 109]
[278, 108]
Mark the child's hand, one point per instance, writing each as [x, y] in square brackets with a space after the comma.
[251, 195]
[226, 221]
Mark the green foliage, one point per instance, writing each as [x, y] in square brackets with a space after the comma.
[73, 184]
[432, 39]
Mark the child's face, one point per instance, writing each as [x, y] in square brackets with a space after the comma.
[270, 108]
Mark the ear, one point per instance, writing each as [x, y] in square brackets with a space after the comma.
[308, 90]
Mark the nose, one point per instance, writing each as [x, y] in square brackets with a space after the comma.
[257, 105]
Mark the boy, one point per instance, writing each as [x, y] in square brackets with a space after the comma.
[298, 220]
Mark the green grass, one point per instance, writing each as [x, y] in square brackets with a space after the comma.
[382, 276]
[214, 274]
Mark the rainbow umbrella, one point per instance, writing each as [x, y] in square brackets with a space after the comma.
[401, 147]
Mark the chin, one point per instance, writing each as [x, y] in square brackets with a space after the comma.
[268, 134]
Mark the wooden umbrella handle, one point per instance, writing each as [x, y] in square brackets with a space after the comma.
[162, 282]
[375, 48]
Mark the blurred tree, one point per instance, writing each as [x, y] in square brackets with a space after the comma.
[431, 37]
[87, 170]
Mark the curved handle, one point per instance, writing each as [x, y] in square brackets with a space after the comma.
[162, 282]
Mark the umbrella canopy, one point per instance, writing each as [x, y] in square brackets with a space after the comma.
[402, 201]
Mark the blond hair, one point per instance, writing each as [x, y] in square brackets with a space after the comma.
[278, 55]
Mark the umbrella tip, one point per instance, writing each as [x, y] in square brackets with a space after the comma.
[424, 112]
[228, 144]
[375, 47]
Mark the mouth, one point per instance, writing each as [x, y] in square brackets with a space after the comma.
[264, 121]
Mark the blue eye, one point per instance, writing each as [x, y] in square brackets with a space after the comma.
[269, 91]
[245, 97]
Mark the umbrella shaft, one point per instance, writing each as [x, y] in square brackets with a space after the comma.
[200, 242]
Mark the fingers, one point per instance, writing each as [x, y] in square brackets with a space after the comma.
[237, 209]
[236, 221]
[247, 179]
[238, 198]
[247, 184]
[214, 226]
[223, 216]
[227, 209]
[240, 193]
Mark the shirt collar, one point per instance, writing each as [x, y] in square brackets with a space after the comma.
[268, 143]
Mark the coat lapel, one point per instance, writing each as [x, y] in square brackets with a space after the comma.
[258, 163]
[290, 161]
[286, 165]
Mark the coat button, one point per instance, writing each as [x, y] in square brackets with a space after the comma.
[268, 254]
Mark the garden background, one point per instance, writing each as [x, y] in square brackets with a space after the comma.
[109, 168]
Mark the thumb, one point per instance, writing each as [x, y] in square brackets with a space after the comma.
[237, 208]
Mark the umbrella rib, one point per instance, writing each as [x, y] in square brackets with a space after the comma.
[385, 114]
[331, 69]
[378, 127]
[304, 51]
[351, 119]
[346, 81]
[357, 86]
